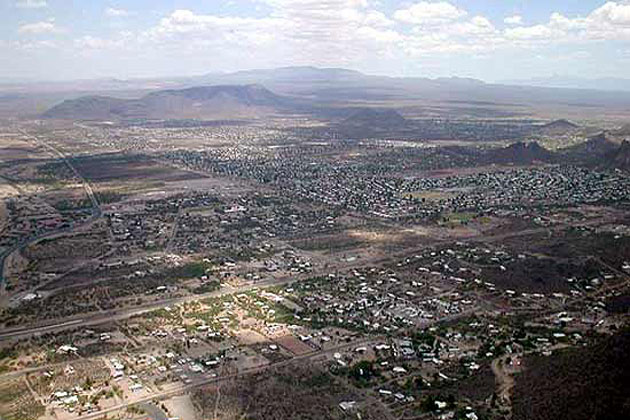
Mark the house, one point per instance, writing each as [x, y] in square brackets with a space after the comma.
[347, 405]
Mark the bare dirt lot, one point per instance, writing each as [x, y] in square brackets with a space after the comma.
[295, 393]
[104, 168]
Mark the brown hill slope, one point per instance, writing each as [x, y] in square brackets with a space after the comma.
[619, 158]
[196, 102]
[594, 148]
[558, 128]
[589, 383]
[519, 153]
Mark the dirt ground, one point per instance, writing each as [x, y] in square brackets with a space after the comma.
[15, 264]
[294, 345]
[181, 407]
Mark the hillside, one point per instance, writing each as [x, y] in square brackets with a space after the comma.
[519, 153]
[620, 158]
[87, 107]
[592, 149]
[224, 101]
[558, 128]
[624, 131]
[375, 118]
[577, 384]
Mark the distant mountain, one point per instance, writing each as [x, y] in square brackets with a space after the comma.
[87, 107]
[225, 101]
[520, 153]
[325, 85]
[566, 82]
[375, 118]
[293, 74]
[460, 81]
[558, 128]
[325, 89]
[250, 95]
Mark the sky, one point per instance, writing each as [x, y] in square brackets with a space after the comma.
[491, 40]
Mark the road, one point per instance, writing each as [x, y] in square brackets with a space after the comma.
[97, 318]
[96, 209]
[119, 315]
[86, 185]
[208, 379]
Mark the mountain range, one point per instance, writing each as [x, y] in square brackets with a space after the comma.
[566, 82]
[607, 150]
[341, 85]
[323, 87]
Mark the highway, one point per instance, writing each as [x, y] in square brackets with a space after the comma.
[86, 185]
[122, 314]
[96, 318]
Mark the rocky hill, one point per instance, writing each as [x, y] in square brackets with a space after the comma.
[594, 148]
[375, 118]
[224, 101]
[624, 131]
[558, 128]
[619, 158]
[520, 153]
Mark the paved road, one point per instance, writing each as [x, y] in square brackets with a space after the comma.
[118, 315]
[86, 320]
[207, 379]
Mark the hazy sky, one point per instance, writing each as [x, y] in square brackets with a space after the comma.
[486, 39]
